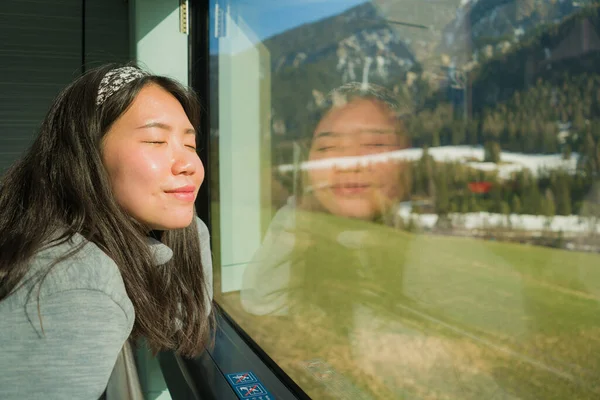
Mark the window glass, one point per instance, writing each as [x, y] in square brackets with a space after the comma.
[404, 193]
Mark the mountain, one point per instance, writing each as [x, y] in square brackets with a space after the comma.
[310, 60]
[495, 25]
[419, 49]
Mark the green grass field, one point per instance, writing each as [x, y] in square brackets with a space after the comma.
[440, 317]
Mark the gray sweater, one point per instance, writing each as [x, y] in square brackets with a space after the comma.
[86, 315]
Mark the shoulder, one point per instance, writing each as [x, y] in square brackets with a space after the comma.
[206, 256]
[284, 218]
[202, 229]
[69, 345]
[80, 323]
[89, 269]
[204, 236]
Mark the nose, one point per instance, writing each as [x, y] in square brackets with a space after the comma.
[357, 163]
[350, 150]
[184, 162]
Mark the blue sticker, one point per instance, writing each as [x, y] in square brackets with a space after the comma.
[251, 391]
[247, 386]
[241, 378]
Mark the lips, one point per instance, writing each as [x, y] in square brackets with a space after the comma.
[182, 189]
[184, 193]
[350, 188]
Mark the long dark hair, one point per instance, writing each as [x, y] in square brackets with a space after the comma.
[60, 188]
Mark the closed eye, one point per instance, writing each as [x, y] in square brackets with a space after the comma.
[325, 148]
[163, 142]
[376, 145]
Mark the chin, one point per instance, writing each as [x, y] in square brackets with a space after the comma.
[168, 223]
[355, 213]
[361, 216]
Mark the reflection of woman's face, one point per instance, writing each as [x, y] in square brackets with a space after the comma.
[362, 190]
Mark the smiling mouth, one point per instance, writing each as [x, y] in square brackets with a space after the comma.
[350, 189]
[186, 196]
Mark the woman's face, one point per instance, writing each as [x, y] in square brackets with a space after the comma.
[150, 156]
[360, 128]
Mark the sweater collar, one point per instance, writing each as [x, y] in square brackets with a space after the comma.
[161, 252]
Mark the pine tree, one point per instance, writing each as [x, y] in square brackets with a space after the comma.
[566, 153]
[459, 133]
[549, 204]
[464, 205]
[496, 198]
[492, 152]
[550, 139]
[563, 194]
[504, 208]
[442, 200]
[589, 157]
[426, 168]
[516, 204]
[532, 199]
[435, 139]
[472, 132]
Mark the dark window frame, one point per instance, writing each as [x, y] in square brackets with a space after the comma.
[234, 351]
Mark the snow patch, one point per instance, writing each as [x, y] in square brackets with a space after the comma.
[471, 155]
[532, 223]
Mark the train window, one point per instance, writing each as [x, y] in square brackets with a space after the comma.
[404, 194]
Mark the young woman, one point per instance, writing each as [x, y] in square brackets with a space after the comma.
[98, 236]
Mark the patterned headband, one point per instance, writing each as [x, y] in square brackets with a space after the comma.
[115, 79]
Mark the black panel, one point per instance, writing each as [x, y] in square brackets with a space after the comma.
[199, 70]
[178, 378]
[230, 354]
[40, 53]
[106, 28]
[195, 379]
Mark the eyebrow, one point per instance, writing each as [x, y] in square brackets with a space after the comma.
[164, 126]
[334, 134]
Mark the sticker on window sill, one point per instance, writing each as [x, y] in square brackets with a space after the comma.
[241, 378]
[247, 386]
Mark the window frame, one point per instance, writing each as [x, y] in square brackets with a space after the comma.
[234, 351]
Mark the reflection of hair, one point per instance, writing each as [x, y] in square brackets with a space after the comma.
[62, 181]
[349, 91]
